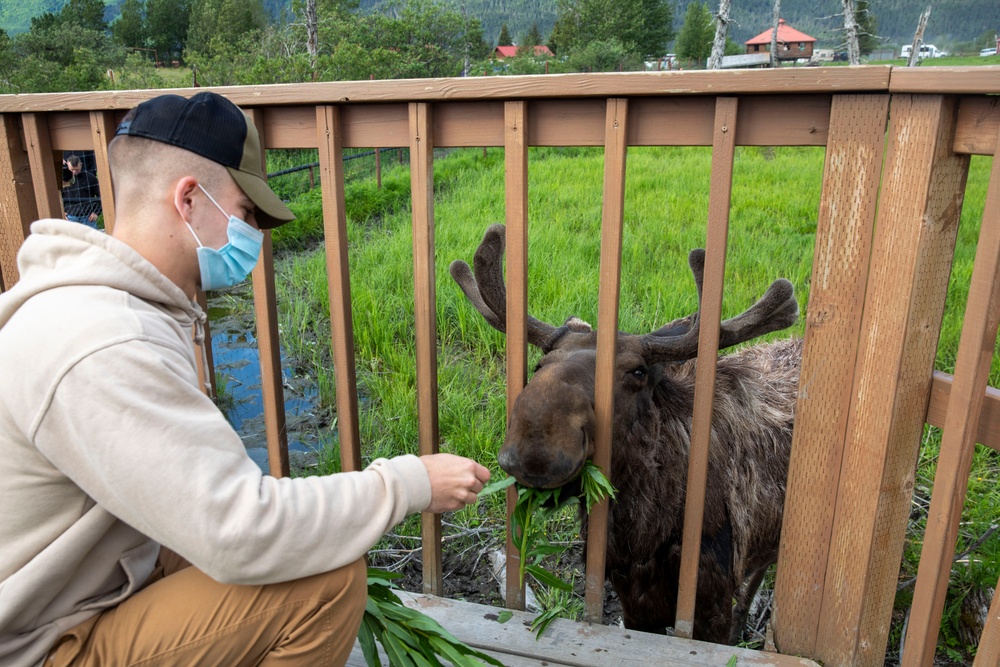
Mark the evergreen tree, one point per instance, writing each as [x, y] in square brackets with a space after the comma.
[88, 14]
[694, 40]
[504, 38]
[56, 55]
[129, 29]
[642, 27]
[532, 38]
[216, 26]
[8, 64]
[167, 26]
[475, 43]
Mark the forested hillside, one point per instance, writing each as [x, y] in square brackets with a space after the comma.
[951, 20]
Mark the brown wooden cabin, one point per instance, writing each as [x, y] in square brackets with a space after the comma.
[792, 44]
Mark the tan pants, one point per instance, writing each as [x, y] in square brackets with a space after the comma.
[183, 617]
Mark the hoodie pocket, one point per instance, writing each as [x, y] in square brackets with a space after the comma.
[137, 564]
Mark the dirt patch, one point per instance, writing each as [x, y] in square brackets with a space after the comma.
[468, 574]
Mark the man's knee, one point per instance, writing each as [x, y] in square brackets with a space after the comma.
[347, 586]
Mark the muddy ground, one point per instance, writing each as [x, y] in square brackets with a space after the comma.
[469, 574]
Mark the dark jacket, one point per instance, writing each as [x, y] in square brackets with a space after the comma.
[82, 196]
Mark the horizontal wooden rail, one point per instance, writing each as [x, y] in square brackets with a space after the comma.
[764, 120]
[988, 433]
[547, 86]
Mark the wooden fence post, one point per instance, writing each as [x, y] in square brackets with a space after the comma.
[851, 176]
[330, 139]
[516, 218]
[44, 165]
[17, 200]
[915, 231]
[102, 129]
[425, 314]
[268, 344]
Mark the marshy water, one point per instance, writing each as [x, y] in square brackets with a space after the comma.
[237, 371]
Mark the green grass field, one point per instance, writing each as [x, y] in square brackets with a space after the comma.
[773, 220]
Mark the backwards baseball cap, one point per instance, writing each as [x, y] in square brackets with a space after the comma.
[213, 127]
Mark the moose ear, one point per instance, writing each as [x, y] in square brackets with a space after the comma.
[576, 325]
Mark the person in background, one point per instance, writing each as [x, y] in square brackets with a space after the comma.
[135, 527]
[82, 194]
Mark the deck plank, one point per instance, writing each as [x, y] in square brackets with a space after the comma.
[574, 644]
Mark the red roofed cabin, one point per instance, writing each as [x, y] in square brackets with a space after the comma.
[792, 44]
[502, 52]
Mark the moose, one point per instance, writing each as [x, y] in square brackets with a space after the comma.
[551, 435]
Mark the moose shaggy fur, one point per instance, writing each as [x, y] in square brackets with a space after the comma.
[551, 434]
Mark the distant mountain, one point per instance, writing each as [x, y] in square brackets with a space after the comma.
[950, 20]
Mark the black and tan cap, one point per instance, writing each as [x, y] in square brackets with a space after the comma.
[211, 126]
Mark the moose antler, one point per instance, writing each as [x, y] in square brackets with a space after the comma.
[678, 340]
[487, 292]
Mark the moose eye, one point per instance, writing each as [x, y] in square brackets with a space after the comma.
[638, 373]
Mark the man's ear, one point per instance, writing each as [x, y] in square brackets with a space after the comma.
[184, 196]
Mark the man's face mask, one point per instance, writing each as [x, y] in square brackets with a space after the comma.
[233, 262]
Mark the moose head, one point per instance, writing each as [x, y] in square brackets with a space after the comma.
[552, 424]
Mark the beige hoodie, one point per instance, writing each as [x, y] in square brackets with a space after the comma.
[108, 449]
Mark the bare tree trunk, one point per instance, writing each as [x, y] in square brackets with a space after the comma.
[721, 30]
[776, 21]
[918, 38]
[312, 37]
[851, 33]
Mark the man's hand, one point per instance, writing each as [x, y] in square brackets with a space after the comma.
[455, 481]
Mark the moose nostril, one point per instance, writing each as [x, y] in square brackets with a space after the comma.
[507, 460]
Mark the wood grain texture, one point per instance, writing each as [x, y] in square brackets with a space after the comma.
[612, 222]
[988, 433]
[102, 128]
[425, 316]
[945, 80]
[516, 219]
[988, 652]
[978, 124]
[46, 167]
[269, 347]
[580, 644]
[913, 247]
[716, 243]
[844, 229]
[17, 198]
[602, 85]
[329, 137]
[958, 438]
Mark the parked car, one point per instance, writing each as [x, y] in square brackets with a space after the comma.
[988, 52]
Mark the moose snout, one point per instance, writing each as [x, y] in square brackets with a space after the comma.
[540, 470]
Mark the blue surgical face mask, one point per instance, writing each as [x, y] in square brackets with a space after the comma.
[233, 262]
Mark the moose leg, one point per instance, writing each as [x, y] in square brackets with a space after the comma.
[744, 598]
[713, 612]
[713, 616]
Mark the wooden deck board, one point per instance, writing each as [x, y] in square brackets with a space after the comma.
[573, 644]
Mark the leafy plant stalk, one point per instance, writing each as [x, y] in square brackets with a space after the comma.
[532, 512]
[408, 637]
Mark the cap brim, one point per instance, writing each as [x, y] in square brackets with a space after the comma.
[271, 211]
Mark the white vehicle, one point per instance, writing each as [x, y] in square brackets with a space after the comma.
[926, 51]
[988, 52]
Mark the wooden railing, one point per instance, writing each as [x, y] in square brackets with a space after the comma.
[898, 145]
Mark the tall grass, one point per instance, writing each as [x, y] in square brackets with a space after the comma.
[775, 200]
